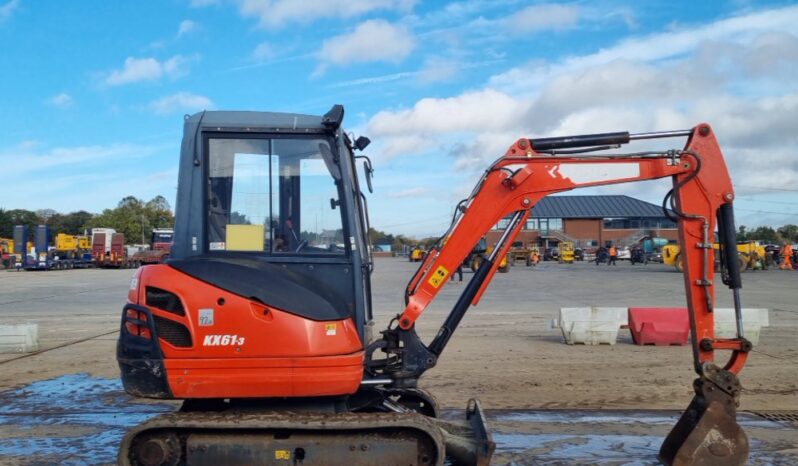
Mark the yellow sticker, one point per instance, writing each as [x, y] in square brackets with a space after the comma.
[282, 454]
[330, 328]
[438, 277]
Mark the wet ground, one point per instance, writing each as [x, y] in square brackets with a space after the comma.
[78, 419]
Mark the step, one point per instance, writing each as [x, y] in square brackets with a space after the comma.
[19, 338]
[592, 325]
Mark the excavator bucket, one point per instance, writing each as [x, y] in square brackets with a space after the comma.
[707, 434]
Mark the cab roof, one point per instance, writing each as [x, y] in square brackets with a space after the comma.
[241, 120]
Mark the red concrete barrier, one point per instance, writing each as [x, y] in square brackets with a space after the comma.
[659, 325]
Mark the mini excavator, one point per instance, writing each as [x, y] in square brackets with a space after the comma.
[261, 320]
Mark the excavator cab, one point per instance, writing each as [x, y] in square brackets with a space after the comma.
[269, 247]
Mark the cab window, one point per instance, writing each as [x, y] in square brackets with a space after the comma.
[275, 196]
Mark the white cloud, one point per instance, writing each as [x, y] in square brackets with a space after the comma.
[543, 17]
[372, 40]
[263, 52]
[7, 9]
[409, 192]
[62, 100]
[402, 145]
[182, 101]
[277, 13]
[186, 26]
[655, 48]
[148, 69]
[100, 182]
[736, 74]
[375, 79]
[438, 69]
[485, 110]
[24, 159]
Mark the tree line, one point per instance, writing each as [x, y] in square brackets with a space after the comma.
[768, 235]
[132, 216]
[397, 242]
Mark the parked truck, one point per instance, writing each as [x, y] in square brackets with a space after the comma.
[37, 257]
[160, 245]
[108, 250]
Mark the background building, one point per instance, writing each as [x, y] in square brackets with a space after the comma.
[590, 221]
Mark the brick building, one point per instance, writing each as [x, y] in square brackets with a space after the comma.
[590, 221]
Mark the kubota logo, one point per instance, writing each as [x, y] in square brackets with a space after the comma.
[223, 340]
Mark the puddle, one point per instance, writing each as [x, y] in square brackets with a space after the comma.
[74, 419]
[77, 419]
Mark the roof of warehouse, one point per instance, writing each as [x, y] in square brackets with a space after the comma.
[594, 207]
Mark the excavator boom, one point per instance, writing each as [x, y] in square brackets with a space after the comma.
[700, 200]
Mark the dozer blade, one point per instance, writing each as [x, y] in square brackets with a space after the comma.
[469, 443]
[348, 439]
[707, 434]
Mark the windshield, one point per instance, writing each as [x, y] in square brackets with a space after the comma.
[162, 237]
[273, 196]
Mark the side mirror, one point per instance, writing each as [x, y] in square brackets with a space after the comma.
[368, 170]
[362, 142]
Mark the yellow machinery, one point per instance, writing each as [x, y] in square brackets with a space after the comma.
[65, 242]
[518, 252]
[6, 251]
[751, 255]
[670, 256]
[566, 252]
[503, 265]
[71, 246]
[417, 254]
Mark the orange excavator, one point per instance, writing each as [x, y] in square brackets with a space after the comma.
[261, 320]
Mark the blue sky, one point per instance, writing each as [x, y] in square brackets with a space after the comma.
[92, 93]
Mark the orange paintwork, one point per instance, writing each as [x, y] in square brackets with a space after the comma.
[522, 177]
[274, 353]
[265, 377]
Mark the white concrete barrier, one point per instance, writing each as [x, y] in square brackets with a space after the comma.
[20, 338]
[753, 321]
[592, 325]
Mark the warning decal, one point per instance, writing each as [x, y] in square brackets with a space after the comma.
[330, 329]
[438, 277]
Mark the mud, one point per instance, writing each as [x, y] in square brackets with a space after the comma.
[79, 420]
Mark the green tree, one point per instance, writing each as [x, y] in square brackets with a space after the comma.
[377, 236]
[18, 217]
[763, 234]
[400, 242]
[741, 233]
[789, 233]
[135, 218]
[73, 223]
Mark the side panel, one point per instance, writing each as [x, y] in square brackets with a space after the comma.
[216, 344]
